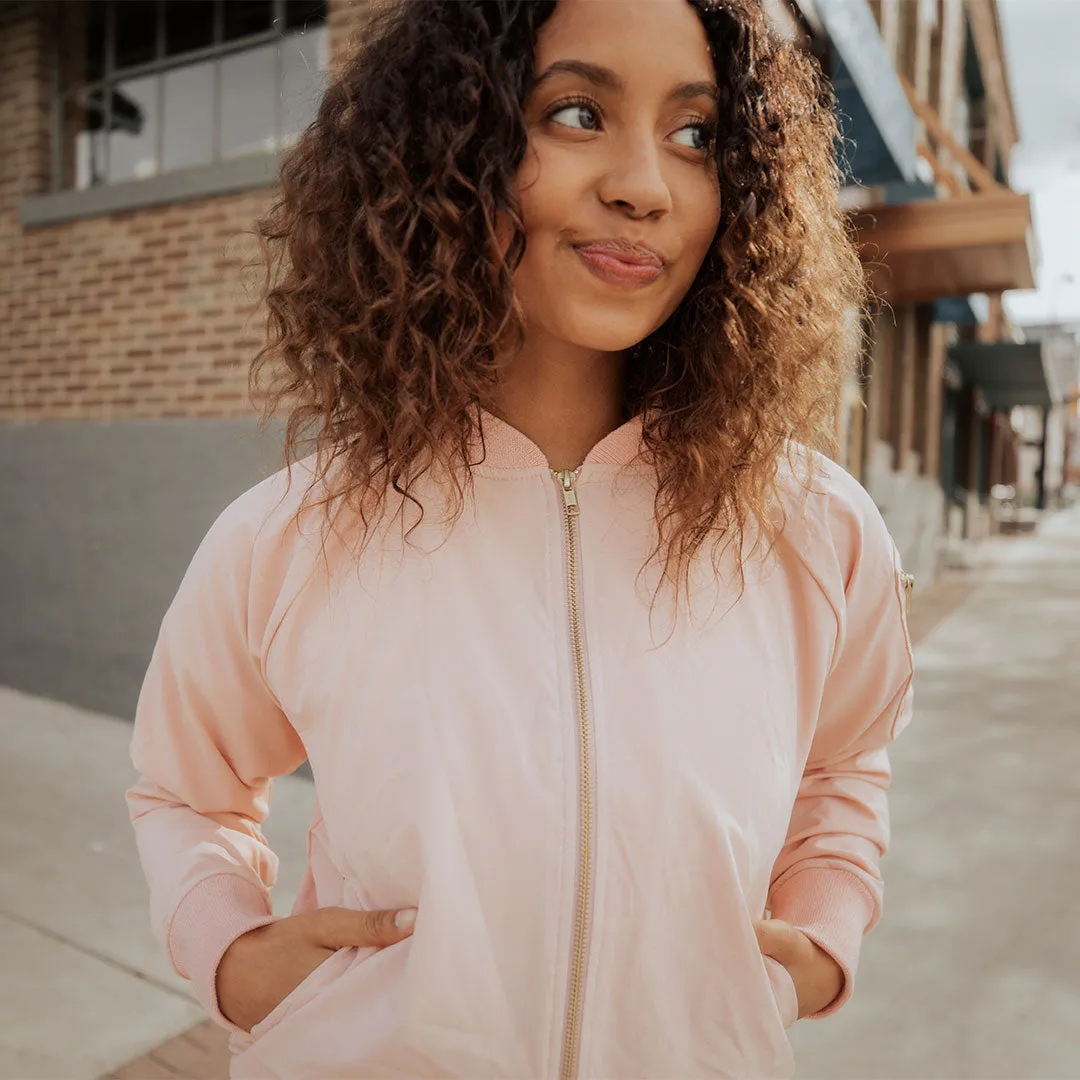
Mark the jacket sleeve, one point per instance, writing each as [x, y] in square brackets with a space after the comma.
[826, 881]
[209, 737]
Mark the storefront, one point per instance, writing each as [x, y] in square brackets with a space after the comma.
[942, 237]
[997, 377]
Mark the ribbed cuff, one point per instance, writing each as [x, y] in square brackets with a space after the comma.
[207, 921]
[833, 908]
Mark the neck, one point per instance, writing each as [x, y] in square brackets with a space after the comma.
[564, 398]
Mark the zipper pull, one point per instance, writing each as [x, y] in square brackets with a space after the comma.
[908, 581]
[569, 492]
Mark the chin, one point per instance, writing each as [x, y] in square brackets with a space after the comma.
[614, 333]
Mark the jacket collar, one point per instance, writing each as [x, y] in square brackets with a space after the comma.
[504, 447]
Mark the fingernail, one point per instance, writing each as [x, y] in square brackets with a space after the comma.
[405, 918]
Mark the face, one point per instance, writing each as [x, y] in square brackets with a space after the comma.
[618, 189]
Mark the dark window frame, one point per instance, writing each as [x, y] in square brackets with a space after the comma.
[105, 87]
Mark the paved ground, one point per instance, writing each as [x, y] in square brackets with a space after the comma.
[972, 974]
[84, 986]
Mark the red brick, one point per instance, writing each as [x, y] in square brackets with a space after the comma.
[102, 313]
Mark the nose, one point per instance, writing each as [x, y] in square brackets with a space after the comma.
[634, 181]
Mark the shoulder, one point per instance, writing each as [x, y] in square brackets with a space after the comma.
[834, 529]
[264, 513]
[255, 543]
[828, 505]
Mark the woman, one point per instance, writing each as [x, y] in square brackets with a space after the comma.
[594, 656]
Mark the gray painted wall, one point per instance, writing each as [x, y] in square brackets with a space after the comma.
[99, 522]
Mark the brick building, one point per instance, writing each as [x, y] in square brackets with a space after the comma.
[138, 143]
[118, 247]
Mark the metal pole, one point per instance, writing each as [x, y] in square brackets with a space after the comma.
[1041, 474]
[110, 59]
[159, 94]
[56, 110]
[219, 37]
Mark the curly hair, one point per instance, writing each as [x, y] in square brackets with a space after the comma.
[390, 296]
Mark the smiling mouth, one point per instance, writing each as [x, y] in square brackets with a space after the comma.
[630, 267]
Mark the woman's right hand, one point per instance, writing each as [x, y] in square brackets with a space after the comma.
[263, 966]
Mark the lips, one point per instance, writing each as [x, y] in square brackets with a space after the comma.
[625, 251]
[620, 261]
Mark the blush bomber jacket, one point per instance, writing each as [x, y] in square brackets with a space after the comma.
[588, 796]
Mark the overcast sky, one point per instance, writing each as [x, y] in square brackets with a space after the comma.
[1042, 46]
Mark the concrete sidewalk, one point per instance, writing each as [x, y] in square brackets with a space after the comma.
[971, 973]
[84, 987]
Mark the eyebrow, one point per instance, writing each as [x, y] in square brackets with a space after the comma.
[605, 77]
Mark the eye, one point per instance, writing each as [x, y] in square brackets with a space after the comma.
[703, 134]
[579, 114]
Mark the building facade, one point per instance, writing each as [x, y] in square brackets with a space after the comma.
[139, 142]
[928, 124]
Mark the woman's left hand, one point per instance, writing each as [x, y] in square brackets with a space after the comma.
[818, 978]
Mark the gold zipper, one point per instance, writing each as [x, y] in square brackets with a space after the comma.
[572, 1033]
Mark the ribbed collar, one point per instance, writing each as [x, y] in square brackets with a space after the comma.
[507, 448]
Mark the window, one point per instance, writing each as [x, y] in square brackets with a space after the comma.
[151, 86]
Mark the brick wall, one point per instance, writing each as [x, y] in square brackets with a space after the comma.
[23, 165]
[142, 313]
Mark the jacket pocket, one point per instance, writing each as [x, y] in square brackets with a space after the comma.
[783, 989]
[324, 885]
[335, 965]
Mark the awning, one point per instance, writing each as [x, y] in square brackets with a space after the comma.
[919, 251]
[1007, 374]
[955, 309]
[877, 123]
